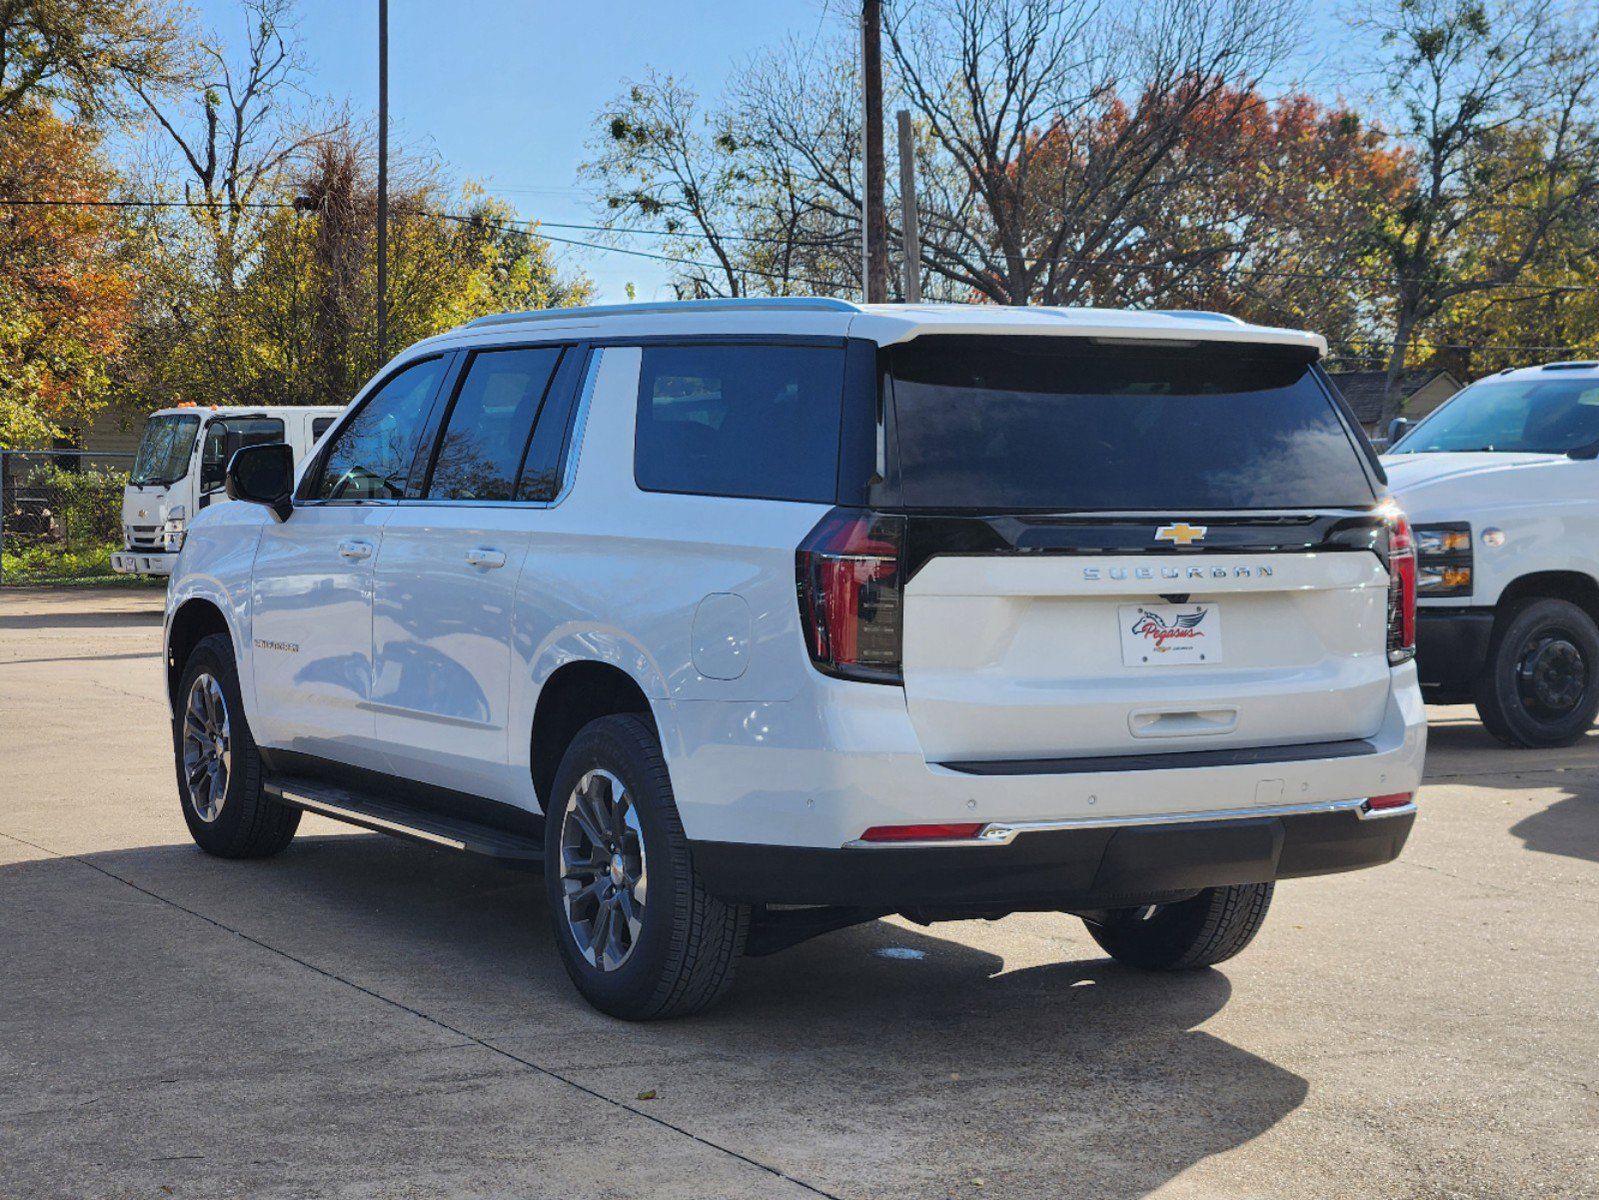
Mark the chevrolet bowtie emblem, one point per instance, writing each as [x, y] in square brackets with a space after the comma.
[1182, 533]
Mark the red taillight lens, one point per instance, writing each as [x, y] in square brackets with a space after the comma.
[1401, 589]
[849, 577]
[921, 833]
[1391, 800]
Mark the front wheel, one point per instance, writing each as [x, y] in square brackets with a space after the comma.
[1199, 932]
[638, 934]
[219, 768]
[1541, 684]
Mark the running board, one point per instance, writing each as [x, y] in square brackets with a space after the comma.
[386, 816]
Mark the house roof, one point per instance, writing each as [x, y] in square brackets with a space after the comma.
[1364, 389]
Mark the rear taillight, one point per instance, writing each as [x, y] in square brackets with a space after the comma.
[1401, 589]
[850, 594]
[923, 833]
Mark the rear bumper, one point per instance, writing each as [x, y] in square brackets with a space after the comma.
[818, 771]
[1452, 644]
[136, 562]
[1091, 865]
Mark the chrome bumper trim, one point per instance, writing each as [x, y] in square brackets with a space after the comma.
[1003, 833]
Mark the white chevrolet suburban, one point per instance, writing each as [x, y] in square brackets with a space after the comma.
[749, 620]
[1502, 485]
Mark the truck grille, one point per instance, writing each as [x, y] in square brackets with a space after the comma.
[144, 537]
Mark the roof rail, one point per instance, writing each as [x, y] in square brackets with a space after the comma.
[1583, 365]
[1197, 314]
[741, 304]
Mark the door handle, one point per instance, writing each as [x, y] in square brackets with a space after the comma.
[351, 548]
[486, 558]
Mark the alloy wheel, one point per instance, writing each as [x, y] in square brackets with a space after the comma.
[603, 870]
[207, 747]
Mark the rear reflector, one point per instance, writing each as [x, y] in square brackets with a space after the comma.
[1392, 800]
[921, 833]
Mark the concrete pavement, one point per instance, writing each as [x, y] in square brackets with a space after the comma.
[366, 1017]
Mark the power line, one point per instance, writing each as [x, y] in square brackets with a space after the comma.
[533, 224]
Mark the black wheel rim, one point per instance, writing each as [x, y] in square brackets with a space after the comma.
[1551, 674]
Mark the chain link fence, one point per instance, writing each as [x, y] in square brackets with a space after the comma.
[60, 515]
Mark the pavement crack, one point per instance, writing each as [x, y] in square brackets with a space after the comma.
[438, 1023]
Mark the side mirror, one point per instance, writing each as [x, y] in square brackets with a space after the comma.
[1397, 428]
[264, 474]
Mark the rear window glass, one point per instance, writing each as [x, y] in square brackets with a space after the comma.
[757, 421]
[490, 423]
[1068, 424]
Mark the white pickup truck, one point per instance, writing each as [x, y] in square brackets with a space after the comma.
[1502, 487]
[178, 470]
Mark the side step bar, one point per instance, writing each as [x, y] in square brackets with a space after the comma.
[387, 816]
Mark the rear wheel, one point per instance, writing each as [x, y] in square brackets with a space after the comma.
[637, 933]
[1208, 929]
[1541, 684]
[218, 766]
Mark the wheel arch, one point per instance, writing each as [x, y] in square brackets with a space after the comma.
[1576, 587]
[193, 620]
[576, 693]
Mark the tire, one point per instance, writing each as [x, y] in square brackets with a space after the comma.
[232, 818]
[1540, 686]
[668, 954]
[1201, 932]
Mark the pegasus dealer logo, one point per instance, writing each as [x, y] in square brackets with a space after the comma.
[1183, 627]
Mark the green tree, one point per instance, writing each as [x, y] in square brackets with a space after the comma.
[83, 53]
[1495, 101]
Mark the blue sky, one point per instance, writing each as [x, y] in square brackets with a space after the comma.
[505, 91]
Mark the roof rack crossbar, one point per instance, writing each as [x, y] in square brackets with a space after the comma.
[791, 303]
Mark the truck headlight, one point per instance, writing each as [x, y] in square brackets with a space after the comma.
[172, 531]
[1443, 559]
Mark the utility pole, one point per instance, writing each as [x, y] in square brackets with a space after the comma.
[907, 209]
[383, 181]
[874, 226]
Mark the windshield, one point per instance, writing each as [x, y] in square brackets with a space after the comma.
[164, 450]
[1060, 424]
[1535, 416]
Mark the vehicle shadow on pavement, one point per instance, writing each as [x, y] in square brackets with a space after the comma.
[878, 1057]
[1568, 826]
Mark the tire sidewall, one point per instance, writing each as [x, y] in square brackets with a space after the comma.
[1511, 712]
[214, 656]
[605, 744]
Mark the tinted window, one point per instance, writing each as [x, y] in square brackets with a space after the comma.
[490, 422]
[371, 456]
[757, 421]
[225, 436]
[320, 425]
[1551, 416]
[164, 450]
[1066, 424]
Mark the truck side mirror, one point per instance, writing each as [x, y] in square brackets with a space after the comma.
[264, 474]
[1397, 428]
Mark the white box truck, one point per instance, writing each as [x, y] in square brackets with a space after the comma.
[179, 470]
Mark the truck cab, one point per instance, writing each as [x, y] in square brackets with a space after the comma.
[1501, 484]
[182, 458]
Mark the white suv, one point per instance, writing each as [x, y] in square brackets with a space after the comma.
[750, 620]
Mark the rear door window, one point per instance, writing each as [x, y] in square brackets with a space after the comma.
[759, 421]
[1058, 424]
[320, 425]
[488, 428]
